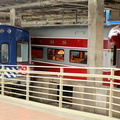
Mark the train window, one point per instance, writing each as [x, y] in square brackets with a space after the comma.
[37, 52]
[4, 53]
[113, 55]
[78, 56]
[22, 51]
[56, 54]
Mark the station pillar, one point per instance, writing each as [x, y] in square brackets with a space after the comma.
[95, 52]
[95, 32]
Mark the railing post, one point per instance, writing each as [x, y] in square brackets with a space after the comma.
[111, 93]
[2, 80]
[61, 88]
[27, 83]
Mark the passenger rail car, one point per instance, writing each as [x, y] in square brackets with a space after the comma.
[14, 47]
[67, 46]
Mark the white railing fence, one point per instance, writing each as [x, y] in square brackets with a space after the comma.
[68, 87]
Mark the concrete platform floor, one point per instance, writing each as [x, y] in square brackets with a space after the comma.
[13, 112]
[15, 109]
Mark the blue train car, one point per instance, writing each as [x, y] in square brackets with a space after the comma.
[14, 47]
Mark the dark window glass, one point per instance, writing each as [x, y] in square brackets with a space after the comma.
[4, 53]
[56, 54]
[78, 56]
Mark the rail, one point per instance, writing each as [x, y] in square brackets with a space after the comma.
[88, 89]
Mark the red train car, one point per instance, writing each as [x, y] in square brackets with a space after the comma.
[114, 40]
[68, 46]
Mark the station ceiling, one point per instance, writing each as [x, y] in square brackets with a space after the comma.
[47, 12]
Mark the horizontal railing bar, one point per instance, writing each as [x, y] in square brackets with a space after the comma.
[86, 87]
[43, 93]
[86, 99]
[15, 93]
[95, 68]
[116, 84]
[86, 106]
[85, 80]
[51, 83]
[86, 93]
[44, 98]
[16, 81]
[13, 79]
[15, 89]
[63, 74]
[75, 74]
[43, 88]
[16, 84]
[116, 97]
[45, 77]
[116, 90]
[116, 104]
[6, 82]
[116, 111]
[92, 81]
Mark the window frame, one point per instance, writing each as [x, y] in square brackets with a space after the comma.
[78, 59]
[21, 51]
[7, 52]
[55, 56]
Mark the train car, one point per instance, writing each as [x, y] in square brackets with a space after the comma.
[114, 40]
[14, 48]
[67, 46]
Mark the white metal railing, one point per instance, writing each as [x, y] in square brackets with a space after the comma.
[70, 87]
